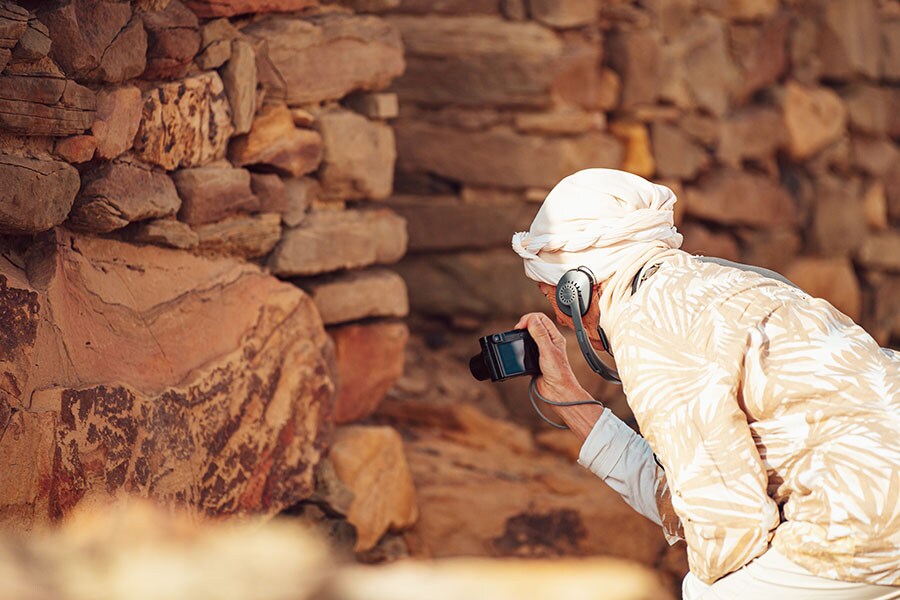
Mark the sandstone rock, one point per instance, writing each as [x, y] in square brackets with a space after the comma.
[247, 236]
[119, 112]
[34, 43]
[868, 108]
[185, 124]
[210, 193]
[500, 157]
[565, 13]
[165, 232]
[96, 40]
[761, 55]
[325, 57]
[892, 191]
[749, 10]
[275, 142]
[676, 156]
[173, 39]
[504, 579]
[358, 295]
[881, 252]
[369, 362]
[269, 189]
[751, 134]
[830, 278]
[703, 241]
[5, 55]
[638, 158]
[838, 225]
[739, 198]
[114, 365]
[890, 50]
[44, 105]
[370, 461]
[540, 505]
[366, 238]
[848, 41]
[359, 156]
[608, 87]
[76, 149]
[116, 194]
[374, 105]
[239, 78]
[561, 122]
[301, 192]
[814, 117]
[709, 73]
[14, 22]
[230, 8]
[447, 223]
[215, 43]
[886, 317]
[481, 60]
[636, 57]
[874, 156]
[476, 279]
[875, 207]
[772, 248]
[35, 195]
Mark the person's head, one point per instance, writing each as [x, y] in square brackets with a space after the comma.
[603, 219]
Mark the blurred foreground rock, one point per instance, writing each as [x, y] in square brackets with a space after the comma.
[141, 553]
[152, 372]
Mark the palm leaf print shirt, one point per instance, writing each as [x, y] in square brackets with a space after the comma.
[776, 418]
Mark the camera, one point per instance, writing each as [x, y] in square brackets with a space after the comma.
[505, 355]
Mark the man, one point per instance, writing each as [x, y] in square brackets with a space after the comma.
[774, 419]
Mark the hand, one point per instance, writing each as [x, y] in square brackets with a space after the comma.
[557, 381]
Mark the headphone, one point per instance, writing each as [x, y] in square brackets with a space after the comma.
[573, 297]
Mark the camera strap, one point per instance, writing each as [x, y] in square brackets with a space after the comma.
[533, 392]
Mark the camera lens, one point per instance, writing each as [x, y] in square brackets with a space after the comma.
[478, 369]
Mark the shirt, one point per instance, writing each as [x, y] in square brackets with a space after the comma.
[776, 417]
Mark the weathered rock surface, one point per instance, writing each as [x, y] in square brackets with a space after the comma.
[116, 386]
[301, 192]
[34, 43]
[700, 239]
[165, 232]
[359, 156]
[366, 237]
[239, 78]
[185, 124]
[326, 57]
[96, 40]
[751, 134]
[358, 295]
[230, 8]
[637, 156]
[564, 13]
[637, 58]
[215, 43]
[676, 155]
[119, 112]
[274, 142]
[500, 157]
[838, 226]
[247, 236]
[14, 22]
[173, 39]
[814, 118]
[270, 190]
[848, 41]
[371, 463]
[481, 60]
[737, 197]
[761, 55]
[881, 252]
[375, 105]
[116, 194]
[448, 223]
[35, 195]
[210, 193]
[44, 105]
[76, 149]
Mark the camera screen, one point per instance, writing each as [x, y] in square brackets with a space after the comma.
[512, 357]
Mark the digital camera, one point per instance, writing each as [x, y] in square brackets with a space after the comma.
[505, 355]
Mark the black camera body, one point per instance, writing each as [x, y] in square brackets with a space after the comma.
[504, 355]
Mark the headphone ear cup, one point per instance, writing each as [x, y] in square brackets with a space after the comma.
[576, 285]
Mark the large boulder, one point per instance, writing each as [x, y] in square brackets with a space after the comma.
[152, 372]
[35, 195]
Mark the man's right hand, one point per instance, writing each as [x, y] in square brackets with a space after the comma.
[557, 381]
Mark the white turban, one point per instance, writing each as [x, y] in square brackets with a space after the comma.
[599, 218]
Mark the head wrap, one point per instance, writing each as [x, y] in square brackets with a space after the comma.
[603, 219]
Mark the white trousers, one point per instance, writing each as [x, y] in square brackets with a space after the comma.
[774, 577]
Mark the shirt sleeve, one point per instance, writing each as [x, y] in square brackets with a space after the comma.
[624, 461]
[686, 403]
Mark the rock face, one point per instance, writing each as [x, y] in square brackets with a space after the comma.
[35, 195]
[44, 104]
[359, 156]
[326, 57]
[116, 386]
[274, 141]
[185, 124]
[229, 8]
[118, 118]
[117, 194]
[173, 38]
[210, 193]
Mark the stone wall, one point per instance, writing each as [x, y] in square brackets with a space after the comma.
[775, 121]
[161, 163]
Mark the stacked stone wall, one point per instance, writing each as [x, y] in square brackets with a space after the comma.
[160, 161]
[775, 121]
